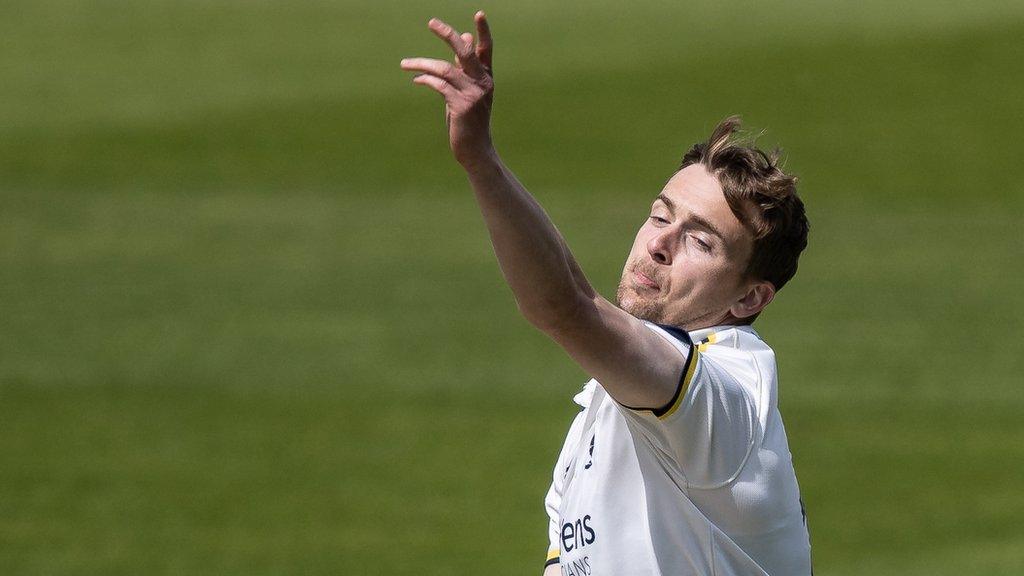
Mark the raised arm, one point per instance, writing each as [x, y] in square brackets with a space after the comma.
[637, 366]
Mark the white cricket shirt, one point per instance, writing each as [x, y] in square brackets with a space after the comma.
[705, 486]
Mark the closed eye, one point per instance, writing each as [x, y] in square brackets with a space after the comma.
[704, 246]
[659, 220]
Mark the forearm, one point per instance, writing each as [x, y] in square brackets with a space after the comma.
[534, 258]
[547, 283]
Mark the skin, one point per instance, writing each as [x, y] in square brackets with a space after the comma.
[685, 268]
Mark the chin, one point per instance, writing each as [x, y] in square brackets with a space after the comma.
[649, 314]
[636, 306]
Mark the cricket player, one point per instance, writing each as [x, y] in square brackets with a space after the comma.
[678, 462]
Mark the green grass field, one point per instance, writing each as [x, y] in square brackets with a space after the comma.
[251, 323]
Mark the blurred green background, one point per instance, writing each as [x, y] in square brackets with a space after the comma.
[251, 323]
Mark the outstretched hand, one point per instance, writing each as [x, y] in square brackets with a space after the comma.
[467, 86]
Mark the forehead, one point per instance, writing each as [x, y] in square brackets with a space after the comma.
[695, 191]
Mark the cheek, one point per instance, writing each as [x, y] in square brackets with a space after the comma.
[724, 279]
[703, 278]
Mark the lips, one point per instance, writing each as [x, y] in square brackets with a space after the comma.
[645, 280]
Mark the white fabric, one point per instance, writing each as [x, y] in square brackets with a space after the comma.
[707, 489]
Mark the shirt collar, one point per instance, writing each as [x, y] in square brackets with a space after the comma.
[722, 333]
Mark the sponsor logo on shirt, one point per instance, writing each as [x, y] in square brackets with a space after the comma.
[580, 567]
[577, 534]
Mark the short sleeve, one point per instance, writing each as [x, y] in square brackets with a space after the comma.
[710, 423]
[713, 425]
[681, 340]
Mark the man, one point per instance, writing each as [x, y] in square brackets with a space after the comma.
[678, 462]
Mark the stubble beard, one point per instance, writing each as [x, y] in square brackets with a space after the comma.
[652, 307]
[629, 299]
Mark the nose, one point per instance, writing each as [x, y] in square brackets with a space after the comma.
[660, 247]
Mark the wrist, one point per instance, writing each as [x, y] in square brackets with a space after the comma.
[485, 159]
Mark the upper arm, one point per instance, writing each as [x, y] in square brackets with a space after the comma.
[637, 366]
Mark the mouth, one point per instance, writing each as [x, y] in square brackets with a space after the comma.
[644, 280]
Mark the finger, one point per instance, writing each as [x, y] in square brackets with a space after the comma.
[438, 84]
[463, 51]
[440, 68]
[468, 39]
[485, 44]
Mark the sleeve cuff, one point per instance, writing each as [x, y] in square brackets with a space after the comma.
[684, 384]
[552, 557]
[681, 340]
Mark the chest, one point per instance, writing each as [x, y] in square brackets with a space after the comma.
[603, 501]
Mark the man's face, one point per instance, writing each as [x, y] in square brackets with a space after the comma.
[686, 267]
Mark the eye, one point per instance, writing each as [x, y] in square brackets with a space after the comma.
[704, 246]
[659, 220]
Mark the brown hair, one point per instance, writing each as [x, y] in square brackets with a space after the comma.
[762, 197]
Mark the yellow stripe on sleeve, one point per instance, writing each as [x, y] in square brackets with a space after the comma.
[685, 384]
[552, 554]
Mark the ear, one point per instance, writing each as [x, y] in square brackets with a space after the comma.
[758, 295]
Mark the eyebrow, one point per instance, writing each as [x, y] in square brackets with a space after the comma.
[696, 218]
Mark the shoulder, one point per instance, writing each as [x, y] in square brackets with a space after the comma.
[740, 353]
[737, 350]
[736, 362]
